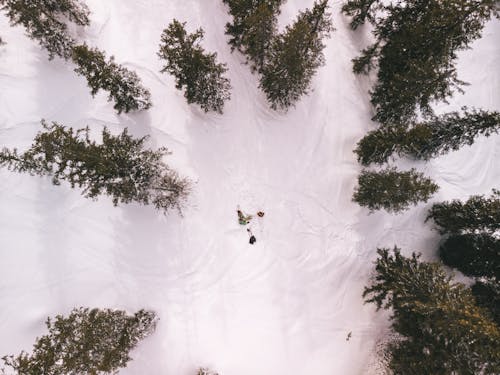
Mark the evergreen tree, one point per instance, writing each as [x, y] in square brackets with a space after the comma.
[477, 214]
[379, 145]
[254, 26]
[196, 71]
[45, 21]
[471, 248]
[119, 167]
[123, 85]
[86, 342]
[294, 57]
[360, 11]
[487, 294]
[449, 132]
[205, 371]
[392, 190]
[472, 254]
[426, 140]
[439, 328]
[414, 69]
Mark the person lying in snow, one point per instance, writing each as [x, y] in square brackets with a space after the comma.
[242, 218]
[252, 237]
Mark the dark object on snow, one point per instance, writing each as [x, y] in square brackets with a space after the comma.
[260, 213]
[252, 237]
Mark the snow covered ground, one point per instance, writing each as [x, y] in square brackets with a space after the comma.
[284, 305]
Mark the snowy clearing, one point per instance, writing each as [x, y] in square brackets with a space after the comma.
[285, 304]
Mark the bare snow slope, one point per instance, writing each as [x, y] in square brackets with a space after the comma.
[282, 306]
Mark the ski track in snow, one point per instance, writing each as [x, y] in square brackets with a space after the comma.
[285, 304]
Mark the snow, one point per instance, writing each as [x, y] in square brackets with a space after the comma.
[284, 305]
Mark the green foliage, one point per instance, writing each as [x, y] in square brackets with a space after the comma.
[360, 11]
[119, 167]
[414, 69]
[440, 329]
[477, 214]
[487, 294]
[294, 57]
[123, 85]
[378, 145]
[426, 140]
[364, 63]
[472, 254]
[392, 190]
[253, 27]
[45, 21]
[196, 71]
[449, 132]
[86, 342]
[472, 246]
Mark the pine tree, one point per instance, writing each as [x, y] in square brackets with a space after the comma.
[426, 140]
[392, 190]
[196, 71]
[477, 214]
[123, 85]
[472, 254]
[205, 371]
[294, 57]
[119, 167]
[414, 69]
[471, 246]
[439, 328]
[45, 21]
[85, 342]
[487, 294]
[449, 132]
[379, 145]
[254, 26]
[360, 11]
